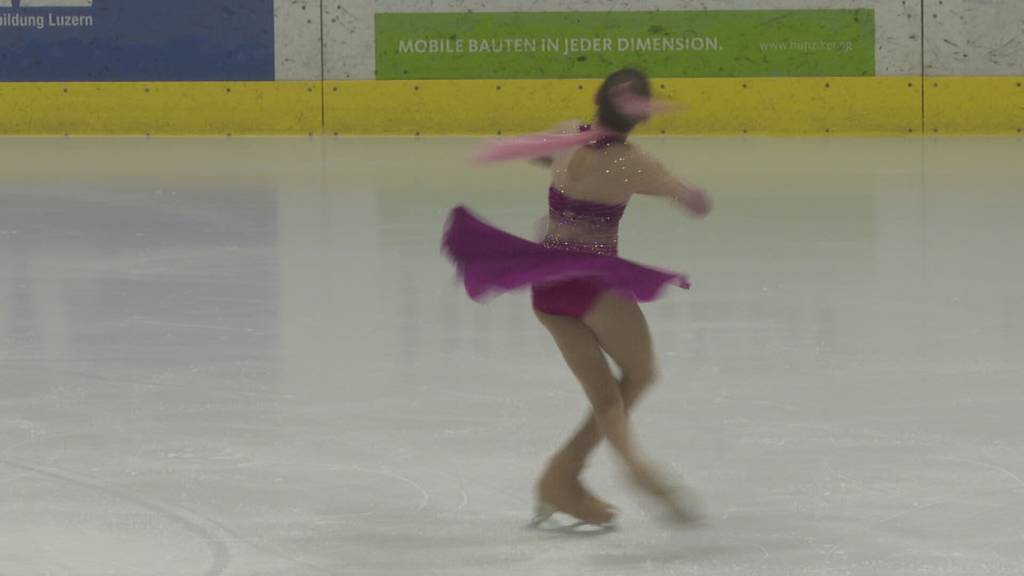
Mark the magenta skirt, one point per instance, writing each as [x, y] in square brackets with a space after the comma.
[491, 261]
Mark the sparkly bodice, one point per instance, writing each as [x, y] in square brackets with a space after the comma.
[581, 225]
[584, 225]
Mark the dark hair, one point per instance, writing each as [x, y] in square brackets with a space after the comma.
[607, 114]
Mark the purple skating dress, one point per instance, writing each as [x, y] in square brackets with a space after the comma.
[567, 274]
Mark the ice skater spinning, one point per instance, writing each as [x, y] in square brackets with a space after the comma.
[583, 293]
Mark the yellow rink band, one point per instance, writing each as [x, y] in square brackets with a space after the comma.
[714, 106]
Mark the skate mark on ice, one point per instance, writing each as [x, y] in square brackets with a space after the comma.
[994, 467]
[424, 495]
[913, 510]
[221, 555]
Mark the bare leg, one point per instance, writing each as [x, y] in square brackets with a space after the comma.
[616, 326]
[630, 347]
[559, 485]
[622, 332]
[583, 353]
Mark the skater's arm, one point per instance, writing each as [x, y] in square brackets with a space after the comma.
[652, 179]
[694, 199]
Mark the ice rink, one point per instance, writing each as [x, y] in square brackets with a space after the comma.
[248, 357]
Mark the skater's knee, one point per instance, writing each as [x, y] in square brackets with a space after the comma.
[642, 375]
[607, 402]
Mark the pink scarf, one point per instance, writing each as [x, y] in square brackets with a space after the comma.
[541, 145]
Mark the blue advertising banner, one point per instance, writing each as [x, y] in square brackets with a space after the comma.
[136, 40]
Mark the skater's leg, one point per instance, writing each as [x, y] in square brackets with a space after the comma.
[622, 332]
[582, 352]
[560, 481]
[632, 352]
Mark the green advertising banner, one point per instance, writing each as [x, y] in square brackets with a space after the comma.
[591, 44]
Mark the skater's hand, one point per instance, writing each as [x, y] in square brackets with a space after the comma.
[695, 200]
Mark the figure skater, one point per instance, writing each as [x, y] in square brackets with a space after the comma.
[583, 293]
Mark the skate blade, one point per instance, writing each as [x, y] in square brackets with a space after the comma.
[542, 512]
[542, 521]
